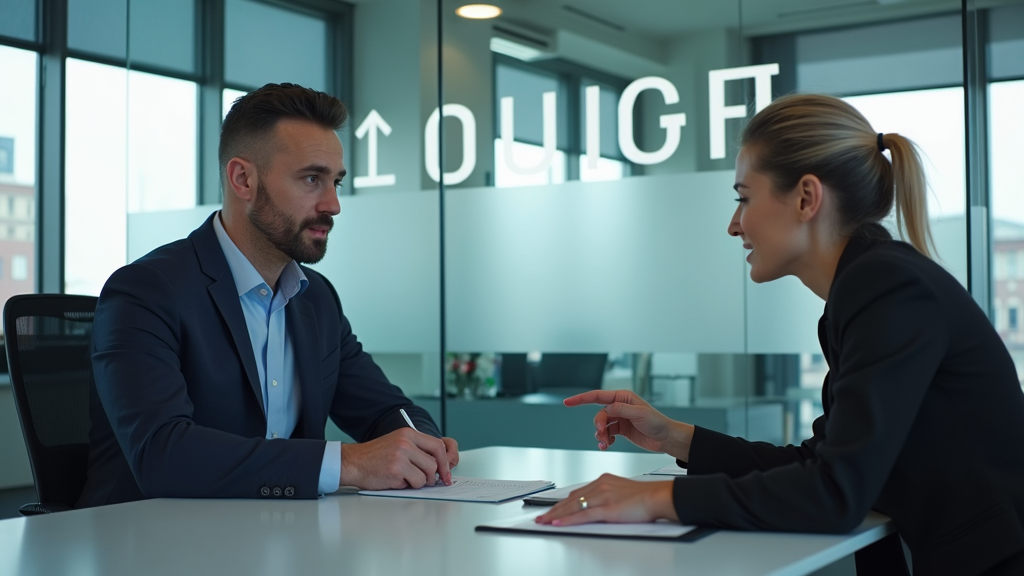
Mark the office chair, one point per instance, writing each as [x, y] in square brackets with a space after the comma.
[568, 374]
[48, 342]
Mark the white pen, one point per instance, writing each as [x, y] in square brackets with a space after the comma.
[411, 425]
[407, 419]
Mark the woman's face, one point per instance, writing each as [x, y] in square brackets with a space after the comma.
[768, 223]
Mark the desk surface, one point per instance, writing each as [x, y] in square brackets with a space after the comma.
[352, 534]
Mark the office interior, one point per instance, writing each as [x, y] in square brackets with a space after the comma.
[536, 202]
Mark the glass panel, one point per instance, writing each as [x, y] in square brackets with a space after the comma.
[95, 169]
[130, 146]
[1006, 116]
[264, 44]
[18, 19]
[17, 172]
[161, 143]
[163, 34]
[98, 27]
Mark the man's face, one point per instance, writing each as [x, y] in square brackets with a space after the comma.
[296, 195]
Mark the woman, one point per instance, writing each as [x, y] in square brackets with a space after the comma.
[924, 416]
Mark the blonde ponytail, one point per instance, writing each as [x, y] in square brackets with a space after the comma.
[911, 194]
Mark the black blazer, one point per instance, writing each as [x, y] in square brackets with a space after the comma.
[924, 422]
[176, 403]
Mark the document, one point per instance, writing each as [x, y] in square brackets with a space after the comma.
[469, 490]
[551, 497]
[670, 470]
[662, 530]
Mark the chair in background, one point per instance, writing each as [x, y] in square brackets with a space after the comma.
[48, 341]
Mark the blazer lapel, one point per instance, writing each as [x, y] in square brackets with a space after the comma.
[224, 293]
[302, 329]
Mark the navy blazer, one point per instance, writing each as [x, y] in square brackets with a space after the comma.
[176, 407]
[924, 422]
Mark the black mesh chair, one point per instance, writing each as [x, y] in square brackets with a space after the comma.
[48, 338]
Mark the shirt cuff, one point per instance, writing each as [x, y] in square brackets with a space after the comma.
[330, 469]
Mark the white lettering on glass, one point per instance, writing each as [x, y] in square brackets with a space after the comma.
[374, 122]
[430, 144]
[718, 112]
[550, 134]
[672, 123]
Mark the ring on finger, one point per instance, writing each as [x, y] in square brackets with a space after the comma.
[583, 503]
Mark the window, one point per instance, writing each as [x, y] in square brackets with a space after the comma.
[1012, 320]
[17, 166]
[527, 163]
[19, 267]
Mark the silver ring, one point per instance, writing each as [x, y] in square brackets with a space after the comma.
[583, 503]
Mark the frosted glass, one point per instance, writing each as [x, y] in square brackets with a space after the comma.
[782, 317]
[382, 257]
[639, 264]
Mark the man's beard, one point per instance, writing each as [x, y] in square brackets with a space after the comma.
[282, 231]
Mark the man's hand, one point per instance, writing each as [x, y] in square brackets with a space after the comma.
[452, 451]
[404, 458]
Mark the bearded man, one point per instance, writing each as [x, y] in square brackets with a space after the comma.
[218, 358]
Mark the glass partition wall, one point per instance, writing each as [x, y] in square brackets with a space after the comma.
[536, 203]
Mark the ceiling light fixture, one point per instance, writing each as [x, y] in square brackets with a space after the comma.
[478, 11]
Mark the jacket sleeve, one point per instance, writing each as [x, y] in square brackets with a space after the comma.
[366, 405]
[137, 343]
[716, 453]
[888, 325]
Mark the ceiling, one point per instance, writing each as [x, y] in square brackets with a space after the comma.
[663, 19]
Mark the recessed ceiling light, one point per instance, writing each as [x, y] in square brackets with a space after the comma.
[479, 11]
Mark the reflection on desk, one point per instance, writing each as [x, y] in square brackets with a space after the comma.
[348, 533]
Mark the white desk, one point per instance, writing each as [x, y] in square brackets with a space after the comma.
[352, 534]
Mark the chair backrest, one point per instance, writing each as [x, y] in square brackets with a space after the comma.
[572, 371]
[48, 352]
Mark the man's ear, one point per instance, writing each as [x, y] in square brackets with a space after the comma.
[242, 178]
[810, 193]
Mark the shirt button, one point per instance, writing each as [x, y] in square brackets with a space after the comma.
[274, 435]
[274, 382]
[263, 291]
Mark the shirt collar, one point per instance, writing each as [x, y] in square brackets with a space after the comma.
[291, 282]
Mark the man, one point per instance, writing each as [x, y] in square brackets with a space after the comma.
[217, 359]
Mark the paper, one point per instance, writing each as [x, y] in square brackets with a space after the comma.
[659, 529]
[551, 497]
[671, 470]
[469, 490]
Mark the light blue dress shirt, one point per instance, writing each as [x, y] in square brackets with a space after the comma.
[264, 312]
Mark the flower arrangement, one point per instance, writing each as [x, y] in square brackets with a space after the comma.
[471, 375]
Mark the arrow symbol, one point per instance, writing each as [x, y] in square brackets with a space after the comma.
[373, 123]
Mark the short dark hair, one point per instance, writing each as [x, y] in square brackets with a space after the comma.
[251, 121]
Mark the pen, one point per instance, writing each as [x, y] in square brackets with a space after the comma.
[409, 422]
[407, 419]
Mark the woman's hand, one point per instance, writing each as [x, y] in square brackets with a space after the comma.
[613, 499]
[626, 414]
